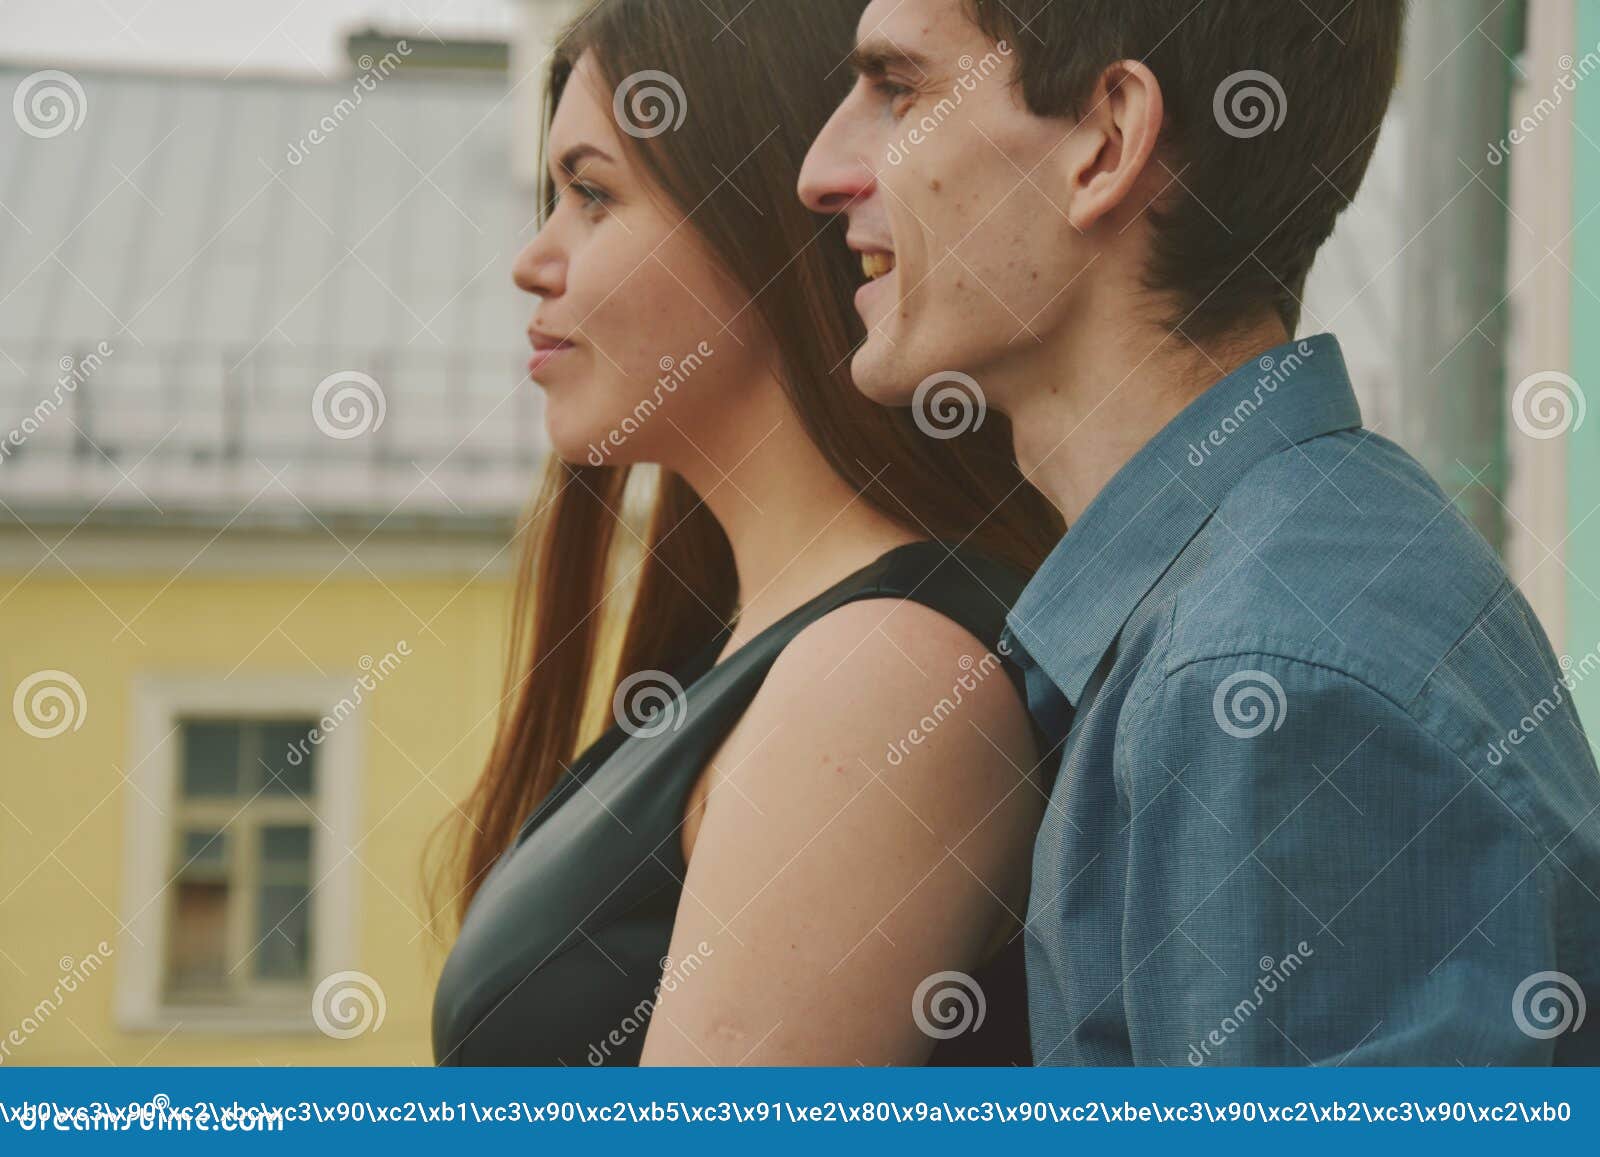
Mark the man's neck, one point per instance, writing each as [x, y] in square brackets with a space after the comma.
[1084, 407]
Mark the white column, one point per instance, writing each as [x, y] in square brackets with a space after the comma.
[1457, 80]
[1541, 306]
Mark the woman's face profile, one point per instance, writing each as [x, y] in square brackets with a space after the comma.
[643, 344]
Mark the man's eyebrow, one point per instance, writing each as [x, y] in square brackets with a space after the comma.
[876, 57]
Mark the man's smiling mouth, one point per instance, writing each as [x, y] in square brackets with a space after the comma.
[877, 265]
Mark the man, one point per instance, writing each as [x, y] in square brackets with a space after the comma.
[1324, 797]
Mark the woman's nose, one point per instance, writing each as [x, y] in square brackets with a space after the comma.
[540, 269]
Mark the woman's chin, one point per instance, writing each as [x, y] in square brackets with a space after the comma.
[585, 445]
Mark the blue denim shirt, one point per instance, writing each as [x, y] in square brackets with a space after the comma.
[1324, 798]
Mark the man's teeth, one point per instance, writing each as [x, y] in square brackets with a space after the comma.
[876, 265]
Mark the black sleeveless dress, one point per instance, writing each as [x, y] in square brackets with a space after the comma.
[560, 955]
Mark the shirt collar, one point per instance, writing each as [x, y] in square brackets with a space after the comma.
[1083, 595]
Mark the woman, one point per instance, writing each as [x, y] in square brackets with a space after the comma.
[814, 846]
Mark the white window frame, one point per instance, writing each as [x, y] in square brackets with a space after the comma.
[160, 703]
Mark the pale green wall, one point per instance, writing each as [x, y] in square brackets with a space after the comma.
[1583, 548]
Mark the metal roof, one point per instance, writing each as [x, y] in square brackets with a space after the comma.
[235, 244]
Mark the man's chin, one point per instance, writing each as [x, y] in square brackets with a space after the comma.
[879, 379]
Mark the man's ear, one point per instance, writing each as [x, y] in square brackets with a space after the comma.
[1109, 149]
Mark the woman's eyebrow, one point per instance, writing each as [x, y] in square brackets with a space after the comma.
[570, 160]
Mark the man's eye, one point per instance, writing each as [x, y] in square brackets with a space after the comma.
[898, 97]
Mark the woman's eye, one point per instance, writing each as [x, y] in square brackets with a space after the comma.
[589, 196]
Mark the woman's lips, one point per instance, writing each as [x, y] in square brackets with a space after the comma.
[546, 352]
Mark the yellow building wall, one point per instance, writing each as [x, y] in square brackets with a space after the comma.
[62, 800]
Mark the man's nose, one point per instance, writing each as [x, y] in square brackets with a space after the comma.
[834, 176]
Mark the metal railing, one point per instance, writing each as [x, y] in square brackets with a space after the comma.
[139, 432]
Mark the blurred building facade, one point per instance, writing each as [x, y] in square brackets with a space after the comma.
[272, 430]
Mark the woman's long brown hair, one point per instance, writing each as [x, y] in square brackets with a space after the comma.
[760, 79]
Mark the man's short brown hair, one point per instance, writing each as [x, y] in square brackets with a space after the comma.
[1273, 109]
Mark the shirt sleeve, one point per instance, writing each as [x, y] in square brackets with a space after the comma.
[1312, 878]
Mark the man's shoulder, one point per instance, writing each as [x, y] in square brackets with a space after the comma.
[1341, 553]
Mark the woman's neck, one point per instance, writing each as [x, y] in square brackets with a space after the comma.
[796, 528]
